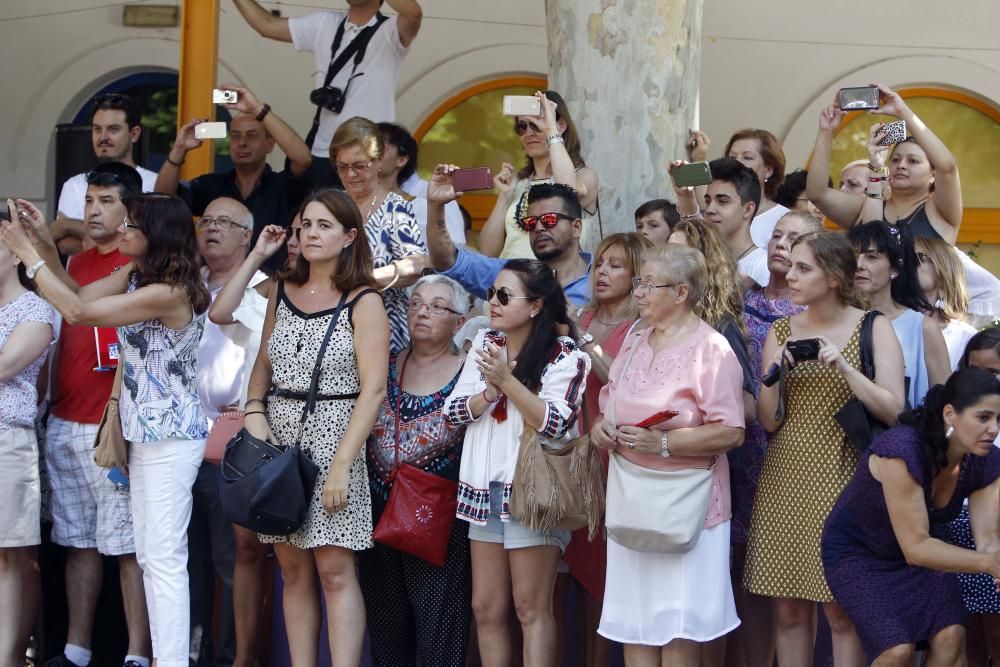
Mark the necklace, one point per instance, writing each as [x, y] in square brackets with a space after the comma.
[766, 205]
[746, 252]
[900, 222]
[371, 207]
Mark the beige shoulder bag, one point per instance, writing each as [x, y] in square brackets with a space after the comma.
[110, 446]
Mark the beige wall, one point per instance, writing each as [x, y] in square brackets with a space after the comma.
[767, 64]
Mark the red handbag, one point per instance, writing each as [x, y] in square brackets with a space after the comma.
[421, 509]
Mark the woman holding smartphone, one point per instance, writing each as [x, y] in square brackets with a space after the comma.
[554, 155]
[810, 460]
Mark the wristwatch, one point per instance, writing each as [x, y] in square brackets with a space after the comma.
[33, 269]
[585, 339]
[664, 447]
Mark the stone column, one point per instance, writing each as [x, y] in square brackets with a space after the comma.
[629, 71]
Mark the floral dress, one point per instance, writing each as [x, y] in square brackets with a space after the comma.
[393, 233]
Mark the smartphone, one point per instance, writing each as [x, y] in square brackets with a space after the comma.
[806, 349]
[467, 180]
[653, 420]
[210, 130]
[853, 99]
[220, 96]
[895, 132]
[689, 175]
[521, 105]
[118, 477]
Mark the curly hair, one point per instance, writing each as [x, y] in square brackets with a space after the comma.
[835, 256]
[723, 298]
[965, 388]
[172, 251]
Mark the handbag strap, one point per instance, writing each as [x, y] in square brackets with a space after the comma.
[395, 427]
[867, 346]
[613, 416]
[116, 385]
[309, 406]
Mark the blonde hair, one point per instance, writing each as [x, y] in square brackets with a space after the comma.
[633, 245]
[358, 131]
[723, 293]
[950, 278]
[684, 265]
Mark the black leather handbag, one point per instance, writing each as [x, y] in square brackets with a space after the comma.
[858, 423]
[267, 488]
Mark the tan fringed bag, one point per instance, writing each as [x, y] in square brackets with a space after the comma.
[558, 488]
[110, 446]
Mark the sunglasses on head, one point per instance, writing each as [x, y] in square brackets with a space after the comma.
[503, 295]
[547, 220]
[102, 178]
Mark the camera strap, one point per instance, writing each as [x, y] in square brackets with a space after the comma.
[355, 49]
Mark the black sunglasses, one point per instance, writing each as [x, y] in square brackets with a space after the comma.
[521, 126]
[547, 220]
[503, 295]
[102, 178]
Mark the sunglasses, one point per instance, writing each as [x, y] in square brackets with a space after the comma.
[102, 178]
[521, 126]
[129, 225]
[503, 295]
[547, 220]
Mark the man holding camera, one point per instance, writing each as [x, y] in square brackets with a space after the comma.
[271, 196]
[357, 62]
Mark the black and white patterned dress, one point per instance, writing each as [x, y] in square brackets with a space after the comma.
[393, 233]
[292, 349]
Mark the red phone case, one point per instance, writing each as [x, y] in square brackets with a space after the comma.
[467, 180]
[653, 420]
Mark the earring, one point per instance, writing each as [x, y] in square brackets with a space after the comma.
[948, 432]
[893, 275]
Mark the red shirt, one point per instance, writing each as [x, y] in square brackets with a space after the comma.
[82, 392]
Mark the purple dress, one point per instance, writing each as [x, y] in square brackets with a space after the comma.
[745, 462]
[889, 601]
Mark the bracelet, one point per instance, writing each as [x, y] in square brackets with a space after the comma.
[254, 412]
[664, 445]
[176, 164]
[264, 110]
[488, 400]
[880, 170]
[877, 179]
[691, 215]
[554, 139]
[254, 400]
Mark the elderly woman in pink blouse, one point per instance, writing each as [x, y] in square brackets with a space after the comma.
[662, 605]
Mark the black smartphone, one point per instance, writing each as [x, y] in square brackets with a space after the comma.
[854, 99]
[806, 349]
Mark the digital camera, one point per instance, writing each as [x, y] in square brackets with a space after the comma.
[330, 97]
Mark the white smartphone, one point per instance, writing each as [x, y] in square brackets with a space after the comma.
[521, 105]
[210, 131]
[220, 96]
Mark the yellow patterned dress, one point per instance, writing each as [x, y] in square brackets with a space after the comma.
[809, 461]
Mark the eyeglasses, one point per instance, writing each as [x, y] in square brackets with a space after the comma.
[503, 295]
[521, 126]
[221, 223]
[102, 178]
[547, 220]
[436, 309]
[357, 167]
[638, 284]
[129, 225]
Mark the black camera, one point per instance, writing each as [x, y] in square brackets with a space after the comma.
[806, 349]
[329, 97]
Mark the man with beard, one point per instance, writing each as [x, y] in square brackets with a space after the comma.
[553, 222]
[272, 197]
[115, 127]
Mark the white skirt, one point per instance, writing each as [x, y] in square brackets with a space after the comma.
[654, 598]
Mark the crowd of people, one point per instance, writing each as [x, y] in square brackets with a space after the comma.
[788, 418]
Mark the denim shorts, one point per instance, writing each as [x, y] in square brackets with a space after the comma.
[513, 534]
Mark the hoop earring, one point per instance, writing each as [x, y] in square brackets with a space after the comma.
[949, 432]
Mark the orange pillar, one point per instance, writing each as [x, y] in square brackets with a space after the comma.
[198, 58]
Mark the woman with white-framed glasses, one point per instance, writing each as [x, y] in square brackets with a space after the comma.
[554, 155]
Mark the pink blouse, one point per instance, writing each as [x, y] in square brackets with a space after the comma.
[701, 379]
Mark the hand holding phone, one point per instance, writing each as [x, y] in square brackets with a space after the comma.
[521, 105]
[467, 180]
[204, 131]
[893, 133]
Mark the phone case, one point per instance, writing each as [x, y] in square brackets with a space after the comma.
[689, 175]
[521, 105]
[210, 130]
[895, 132]
[467, 180]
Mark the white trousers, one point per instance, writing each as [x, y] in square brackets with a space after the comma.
[161, 475]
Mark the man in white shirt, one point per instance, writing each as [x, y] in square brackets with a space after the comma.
[369, 85]
[731, 202]
[115, 127]
[399, 174]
